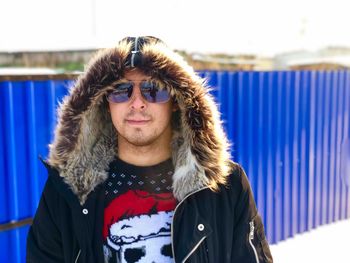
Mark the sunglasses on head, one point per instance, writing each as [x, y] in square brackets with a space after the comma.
[151, 91]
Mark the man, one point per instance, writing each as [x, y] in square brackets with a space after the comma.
[139, 170]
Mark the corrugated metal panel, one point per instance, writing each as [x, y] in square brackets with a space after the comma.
[27, 122]
[289, 130]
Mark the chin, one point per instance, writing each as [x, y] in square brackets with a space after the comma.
[141, 140]
[141, 143]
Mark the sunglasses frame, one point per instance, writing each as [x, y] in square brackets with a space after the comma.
[157, 83]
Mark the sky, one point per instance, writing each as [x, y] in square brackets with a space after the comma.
[262, 27]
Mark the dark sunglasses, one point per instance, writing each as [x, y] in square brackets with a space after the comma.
[151, 91]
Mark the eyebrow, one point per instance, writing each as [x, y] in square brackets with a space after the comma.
[124, 80]
[150, 78]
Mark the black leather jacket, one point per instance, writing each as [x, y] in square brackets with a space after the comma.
[207, 226]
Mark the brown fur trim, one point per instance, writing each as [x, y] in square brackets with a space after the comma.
[85, 138]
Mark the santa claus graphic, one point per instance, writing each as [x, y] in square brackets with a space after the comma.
[137, 227]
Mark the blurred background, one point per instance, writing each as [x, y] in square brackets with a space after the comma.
[221, 34]
[280, 72]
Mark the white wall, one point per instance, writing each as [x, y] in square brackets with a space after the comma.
[233, 26]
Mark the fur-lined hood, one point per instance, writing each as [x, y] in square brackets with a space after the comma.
[85, 138]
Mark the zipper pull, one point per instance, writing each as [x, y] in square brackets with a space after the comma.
[251, 233]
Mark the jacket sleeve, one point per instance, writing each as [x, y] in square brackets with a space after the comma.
[249, 241]
[44, 241]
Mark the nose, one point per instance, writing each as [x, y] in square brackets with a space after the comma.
[137, 101]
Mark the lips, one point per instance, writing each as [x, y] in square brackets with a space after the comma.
[137, 122]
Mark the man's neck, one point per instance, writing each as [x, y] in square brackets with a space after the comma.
[143, 155]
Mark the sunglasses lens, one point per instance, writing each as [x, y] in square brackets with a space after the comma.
[122, 93]
[154, 93]
[151, 91]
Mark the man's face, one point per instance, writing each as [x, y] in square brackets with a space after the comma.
[139, 122]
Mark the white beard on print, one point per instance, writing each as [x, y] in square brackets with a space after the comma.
[144, 238]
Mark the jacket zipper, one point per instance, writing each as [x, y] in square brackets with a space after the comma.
[172, 227]
[251, 237]
[134, 52]
[76, 259]
[193, 249]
